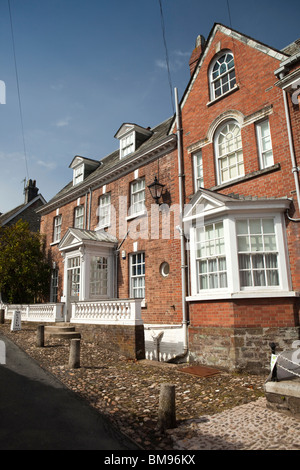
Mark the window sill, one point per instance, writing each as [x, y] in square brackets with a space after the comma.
[241, 295]
[246, 177]
[102, 227]
[138, 214]
[55, 243]
[216, 100]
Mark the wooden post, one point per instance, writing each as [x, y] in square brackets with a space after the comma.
[74, 358]
[2, 316]
[40, 336]
[166, 411]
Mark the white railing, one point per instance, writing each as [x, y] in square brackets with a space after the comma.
[110, 312]
[37, 312]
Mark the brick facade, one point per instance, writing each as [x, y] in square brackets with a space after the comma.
[230, 325]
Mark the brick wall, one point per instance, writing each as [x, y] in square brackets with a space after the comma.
[163, 294]
[125, 340]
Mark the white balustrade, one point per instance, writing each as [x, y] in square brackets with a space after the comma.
[110, 312]
[37, 312]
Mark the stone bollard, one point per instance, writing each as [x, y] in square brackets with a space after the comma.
[74, 358]
[2, 316]
[40, 336]
[166, 411]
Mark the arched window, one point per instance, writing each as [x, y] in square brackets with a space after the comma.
[222, 75]
[229, 151]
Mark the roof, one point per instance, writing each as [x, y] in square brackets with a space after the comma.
[75, 236]
[8, 216]
[206, 202]
[249, 41]
[108, 164]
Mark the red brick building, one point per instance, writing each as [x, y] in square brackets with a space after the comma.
[222, 283]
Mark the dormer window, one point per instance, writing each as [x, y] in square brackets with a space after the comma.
[131, 136]
[78, 174]
[127, 145]
[82, 167]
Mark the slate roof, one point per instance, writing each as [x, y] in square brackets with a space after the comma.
[113, 160]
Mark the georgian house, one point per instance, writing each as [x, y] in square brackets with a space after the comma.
[219, 284]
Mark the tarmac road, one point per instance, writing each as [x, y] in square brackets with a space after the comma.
[37, 412]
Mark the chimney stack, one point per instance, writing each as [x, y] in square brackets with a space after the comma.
[31, 191]
[200, 44]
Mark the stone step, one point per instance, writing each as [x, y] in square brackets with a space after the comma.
[62, 332]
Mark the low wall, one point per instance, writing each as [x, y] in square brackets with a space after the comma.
[284, 396]
[127, 340]
[239, 349]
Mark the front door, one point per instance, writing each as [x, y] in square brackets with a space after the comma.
[73, 288]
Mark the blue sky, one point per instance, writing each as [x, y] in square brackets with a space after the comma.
[87, 66]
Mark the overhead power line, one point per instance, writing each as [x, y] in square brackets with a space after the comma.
[18, 88]
[166, 51]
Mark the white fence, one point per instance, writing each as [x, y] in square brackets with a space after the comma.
[110, 312]
[37, 312]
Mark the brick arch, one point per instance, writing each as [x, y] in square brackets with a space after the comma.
[226, 116]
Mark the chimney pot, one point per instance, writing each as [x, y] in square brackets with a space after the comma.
[31, 191]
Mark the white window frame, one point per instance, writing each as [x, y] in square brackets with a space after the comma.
[234, 288]
[211, 264]
[233, 156]
[104, 211]
[78, 174]
[252, 244]
[137, 197]
[99, 276]
[127, 144]
[79, 217]
[54, 285]
[264, 149]
[198, 170]
[57, 228]
[137, 277]
[225, 77]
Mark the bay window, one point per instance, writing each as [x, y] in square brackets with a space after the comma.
[237, 248]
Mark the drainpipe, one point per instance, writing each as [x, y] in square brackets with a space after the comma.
[117, 252]
[182, 237]
[295, 169]
[90, 204]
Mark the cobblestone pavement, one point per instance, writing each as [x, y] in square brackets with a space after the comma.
[246, 427]
[225, 411]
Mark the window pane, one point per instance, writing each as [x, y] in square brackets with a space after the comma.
[260, 267]
[268, 226]
[256, 243]
[243, 244]
[254, 225]
[242, 227]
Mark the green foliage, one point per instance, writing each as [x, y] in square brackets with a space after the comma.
[24, 269]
